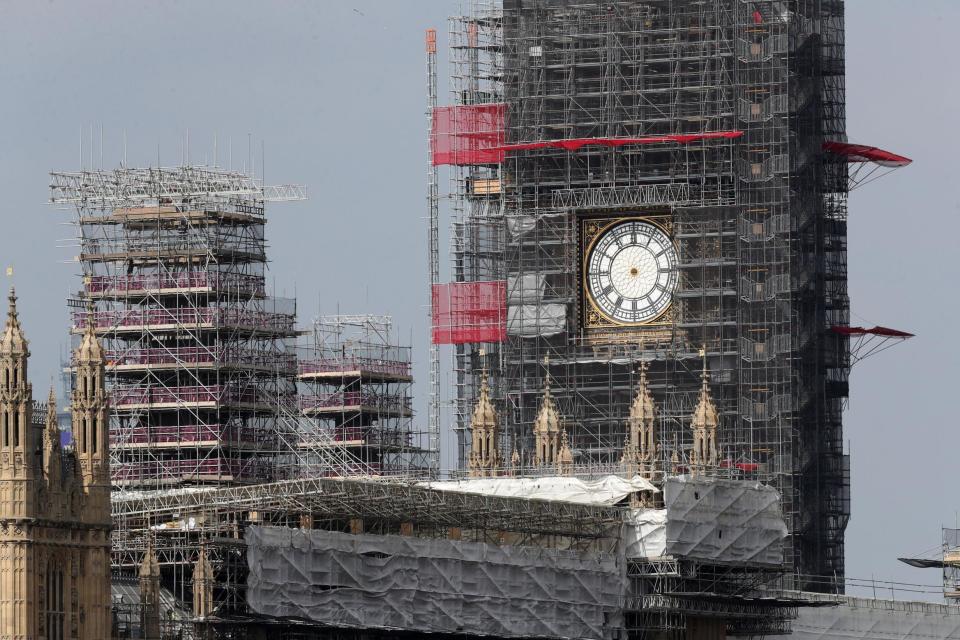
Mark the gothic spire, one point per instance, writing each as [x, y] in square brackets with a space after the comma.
[565, 455]
[705, 415]
[90, 350]
[485, 433]
[13, 341]
[548, 419]
[53, 427]
[484, 412]
[704, 423]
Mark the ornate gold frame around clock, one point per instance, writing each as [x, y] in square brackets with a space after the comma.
[591, 229]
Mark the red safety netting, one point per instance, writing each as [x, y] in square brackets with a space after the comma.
[468, 134]
[573, 144]
[864, 153]
[866, 342]
[876, 331]
[469, 312]
[866, 163]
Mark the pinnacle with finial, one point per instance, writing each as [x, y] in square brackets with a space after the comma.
[13, 340]
[704, 374]
[52, 409]
[546, 377]
[12, 308]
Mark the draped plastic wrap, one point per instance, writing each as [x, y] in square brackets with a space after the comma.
[532, 320]
[645, 534]
[469, 312]
[433, 585]
[608, 490]
[525, 288]
[468, 134]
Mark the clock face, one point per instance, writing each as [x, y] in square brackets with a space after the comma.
[631, 272]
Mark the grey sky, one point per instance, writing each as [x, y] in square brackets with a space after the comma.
[336, 92]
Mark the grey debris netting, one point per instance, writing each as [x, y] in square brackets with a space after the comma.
[877, 620]
[724, 520]
[430, 585]
[529, 320]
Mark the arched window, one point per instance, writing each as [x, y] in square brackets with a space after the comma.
[93, 434]
[54, 614]
[16, 428]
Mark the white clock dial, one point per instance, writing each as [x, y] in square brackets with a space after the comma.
[631, 272]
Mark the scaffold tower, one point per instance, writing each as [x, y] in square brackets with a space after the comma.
[355, 387]
[200, 356]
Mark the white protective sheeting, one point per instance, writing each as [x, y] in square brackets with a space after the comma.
[645, 534]
[605, 491]
[531, 320]
[433, 585]
[526, 288]
[877, 620]
[518, 225]
[730, 521]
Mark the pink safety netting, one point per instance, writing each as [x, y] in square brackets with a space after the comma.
[468, 134]
[466, 312]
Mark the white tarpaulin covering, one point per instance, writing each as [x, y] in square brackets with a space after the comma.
[724, 520]
[525, 288]
[433, 585]
[645, 534]
[531, 320]
[605, 491]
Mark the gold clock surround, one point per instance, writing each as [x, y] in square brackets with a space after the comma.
[592, 318]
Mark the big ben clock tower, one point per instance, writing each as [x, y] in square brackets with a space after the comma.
[661, 191]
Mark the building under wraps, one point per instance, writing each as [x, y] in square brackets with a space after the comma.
[650, 335]
[645, 182]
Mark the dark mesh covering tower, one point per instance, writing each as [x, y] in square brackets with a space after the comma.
[755, 209]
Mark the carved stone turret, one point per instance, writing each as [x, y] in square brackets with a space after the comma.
[90, 411]
[565, 455]
[546, 430]
[704, 423]
[52, 458]
[640, 453]
[485, 433]
[18, 446]
[54, 505]
[202, 585]
[150, 594]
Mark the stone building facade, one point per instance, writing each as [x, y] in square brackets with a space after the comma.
[54, 503]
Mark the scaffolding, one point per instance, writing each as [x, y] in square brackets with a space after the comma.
[179, 521]
[664, 593]
[709, 119]
[355, 384]
[201, 360]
